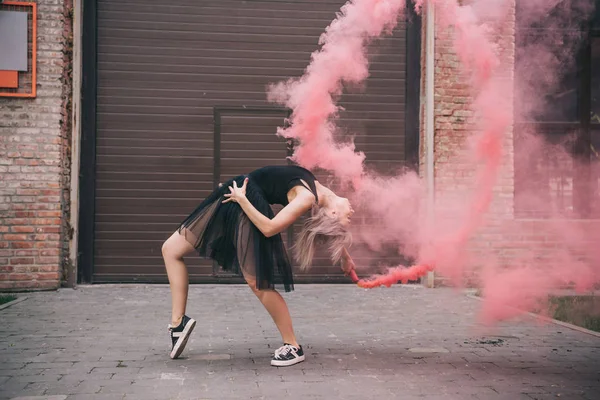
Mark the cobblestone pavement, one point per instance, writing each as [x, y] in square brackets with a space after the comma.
[111, 342]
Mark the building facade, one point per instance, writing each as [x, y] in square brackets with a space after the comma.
[142, 107]
[35, 151]
[545, 206]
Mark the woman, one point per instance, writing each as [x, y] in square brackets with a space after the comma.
[236, 227]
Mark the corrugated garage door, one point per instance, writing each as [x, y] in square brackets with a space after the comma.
[162, 68]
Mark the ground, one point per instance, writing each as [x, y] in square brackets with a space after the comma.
[111, 342]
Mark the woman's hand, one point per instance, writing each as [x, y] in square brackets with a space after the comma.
[237, 193]
[348, 264]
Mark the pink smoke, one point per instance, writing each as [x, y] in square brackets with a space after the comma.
[394, 275]
[445, 250]
[398, 202]
[341, 59]
[569, 258]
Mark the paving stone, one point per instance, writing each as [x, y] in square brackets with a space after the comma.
[358, 346]
[96, 397]
[38, 378]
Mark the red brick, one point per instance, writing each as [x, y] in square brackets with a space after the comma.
[24, 214]
[21, 260]
[44, 276]
[46, 206]
[48, 268]
[45, 245]
[26, 253]
[19, 277]
[46, 260]
[47, 284]
[28, 192]
[6, 268]
[44, 221]
[46, 236]
[21, 245]
[49, 199]
[16, 221]
[28, 161]
[27, 147]
[10, 237]
[55, 214]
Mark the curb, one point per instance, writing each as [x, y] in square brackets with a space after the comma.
[15, 301]
[551, 320]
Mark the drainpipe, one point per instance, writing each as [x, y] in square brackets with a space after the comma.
[429, 122]
[75, 140]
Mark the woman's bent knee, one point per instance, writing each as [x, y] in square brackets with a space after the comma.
[167, 250]
[175, 247]
[251, 281]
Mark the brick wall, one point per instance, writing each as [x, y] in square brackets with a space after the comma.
[34, 137]
[455, 171]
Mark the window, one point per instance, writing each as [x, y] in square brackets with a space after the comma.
[557, 111]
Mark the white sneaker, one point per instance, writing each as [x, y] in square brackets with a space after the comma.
[287, 355]
[180, 335]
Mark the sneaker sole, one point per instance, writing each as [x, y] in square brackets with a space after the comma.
[287, 363]
[182, 341]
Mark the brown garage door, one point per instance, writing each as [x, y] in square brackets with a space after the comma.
[162, 68]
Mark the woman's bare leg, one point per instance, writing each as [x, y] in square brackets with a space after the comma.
[173, 251]
[277, 307]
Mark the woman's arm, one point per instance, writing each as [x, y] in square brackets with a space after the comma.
[283, 219]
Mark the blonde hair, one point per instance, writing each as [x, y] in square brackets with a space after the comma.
[321, 228]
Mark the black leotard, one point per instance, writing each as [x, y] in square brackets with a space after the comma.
[276, 181]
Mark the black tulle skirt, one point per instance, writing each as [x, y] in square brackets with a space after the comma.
[224, 233]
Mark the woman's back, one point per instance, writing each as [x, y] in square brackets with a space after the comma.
[277, 180]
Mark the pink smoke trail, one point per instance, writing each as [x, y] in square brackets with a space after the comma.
[312, 97]
[478, 56]
[394, 275]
